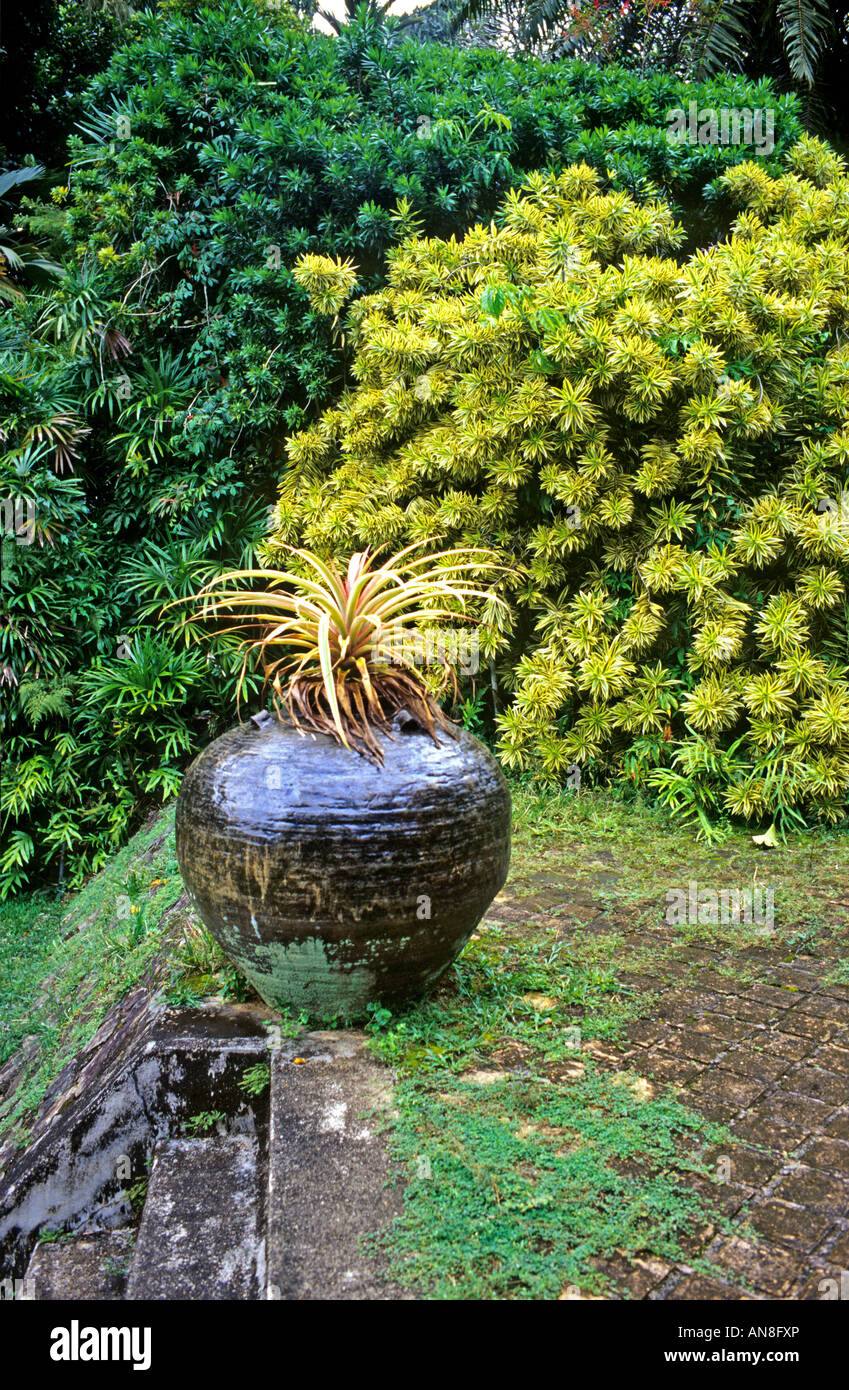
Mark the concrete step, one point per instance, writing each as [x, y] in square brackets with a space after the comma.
[327, 1169]
[92, 1265]
[201, 1230]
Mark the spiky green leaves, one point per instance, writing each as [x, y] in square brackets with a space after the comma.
[332, 645]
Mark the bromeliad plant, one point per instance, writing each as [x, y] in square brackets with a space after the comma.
[332, 646]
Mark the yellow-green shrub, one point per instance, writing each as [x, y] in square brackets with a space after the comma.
[657, 449]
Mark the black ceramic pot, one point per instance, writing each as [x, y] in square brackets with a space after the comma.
[331, 882]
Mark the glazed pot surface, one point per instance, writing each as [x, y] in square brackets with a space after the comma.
[333, 883]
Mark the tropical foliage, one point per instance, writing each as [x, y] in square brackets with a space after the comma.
[803, 45]
[23, 262]
[656, 448]
[148, 394]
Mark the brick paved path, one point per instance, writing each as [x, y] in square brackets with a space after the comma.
[770, 1060]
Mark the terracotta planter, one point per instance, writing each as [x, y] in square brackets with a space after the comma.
[332, 883]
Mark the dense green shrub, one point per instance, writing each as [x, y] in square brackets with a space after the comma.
[147, 397]
[658, 450]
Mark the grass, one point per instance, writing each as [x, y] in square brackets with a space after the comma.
[517, 1187]
[27, 931]
[532, 993]
[200, 969]
[647, 855]
[88, 953]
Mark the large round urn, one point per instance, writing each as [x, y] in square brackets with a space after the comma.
[332, 882]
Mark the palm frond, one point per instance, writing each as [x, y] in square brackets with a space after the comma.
[720, 38]
[806, 28]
